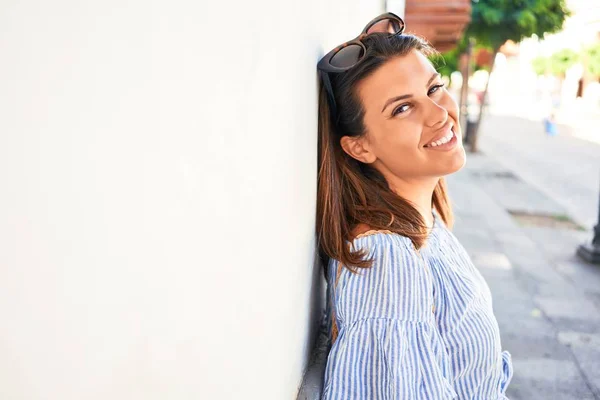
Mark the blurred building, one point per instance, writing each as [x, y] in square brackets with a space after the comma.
[441, 22]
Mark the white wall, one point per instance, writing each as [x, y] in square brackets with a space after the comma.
[157, 195]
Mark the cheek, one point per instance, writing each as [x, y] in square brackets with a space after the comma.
[403, 138]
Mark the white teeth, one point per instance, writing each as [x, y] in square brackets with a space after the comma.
[442, 141]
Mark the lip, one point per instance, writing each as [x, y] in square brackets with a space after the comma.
[446, 146]
[443, 133]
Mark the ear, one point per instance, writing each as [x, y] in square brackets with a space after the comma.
[358, 148]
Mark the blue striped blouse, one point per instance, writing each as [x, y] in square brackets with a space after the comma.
[414, 326]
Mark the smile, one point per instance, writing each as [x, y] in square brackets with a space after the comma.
[446, 142]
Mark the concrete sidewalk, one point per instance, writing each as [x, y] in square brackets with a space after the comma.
[563, 167]
[546, 300]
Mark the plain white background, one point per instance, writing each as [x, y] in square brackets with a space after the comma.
[157, 195]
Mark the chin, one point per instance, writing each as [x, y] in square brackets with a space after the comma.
[457, 161]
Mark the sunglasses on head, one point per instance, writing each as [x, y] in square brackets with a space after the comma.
[348, 54]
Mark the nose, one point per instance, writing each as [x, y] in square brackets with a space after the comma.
[437, 115]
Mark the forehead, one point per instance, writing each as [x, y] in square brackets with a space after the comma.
[400, 75]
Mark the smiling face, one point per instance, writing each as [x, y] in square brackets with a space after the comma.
[406, 108]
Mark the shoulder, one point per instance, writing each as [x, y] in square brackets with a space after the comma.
[395, 286]
[368, 238]
[389, 251]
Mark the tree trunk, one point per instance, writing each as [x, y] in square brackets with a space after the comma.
[475, 135]
[464, 90]
[465, 64]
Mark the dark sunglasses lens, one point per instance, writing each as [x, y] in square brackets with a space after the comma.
[347, 56]
[388, 25]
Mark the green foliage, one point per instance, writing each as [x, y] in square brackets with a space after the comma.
[557, 64]
[446, 63]
[493, 22]
[541, 65]
[562, 60]
[592, 55]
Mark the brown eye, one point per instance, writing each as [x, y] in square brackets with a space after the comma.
[435, 88]
[401, 109]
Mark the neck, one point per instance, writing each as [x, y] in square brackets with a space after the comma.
[420, 193]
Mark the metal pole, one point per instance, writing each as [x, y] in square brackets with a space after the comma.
[591, 251]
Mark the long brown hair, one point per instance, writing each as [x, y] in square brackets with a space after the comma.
[350, 192]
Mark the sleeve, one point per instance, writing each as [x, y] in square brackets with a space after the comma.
[388, 346]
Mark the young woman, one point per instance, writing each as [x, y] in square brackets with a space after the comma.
[410, 315]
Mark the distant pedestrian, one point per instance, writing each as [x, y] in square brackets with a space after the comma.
[550, 125]
[409, 316]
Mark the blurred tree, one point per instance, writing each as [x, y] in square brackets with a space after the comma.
[483, 58]
[561, 61]
[446, 63]
[592, 59]
[493, 22]
[541, 65]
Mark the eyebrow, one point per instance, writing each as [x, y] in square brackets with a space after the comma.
[406, 96]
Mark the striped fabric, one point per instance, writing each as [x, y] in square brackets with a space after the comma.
[414, 327]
